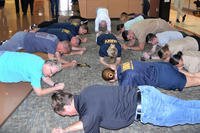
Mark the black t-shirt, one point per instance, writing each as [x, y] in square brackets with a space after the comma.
[110, 107]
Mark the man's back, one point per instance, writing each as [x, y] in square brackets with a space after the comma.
[158, 74]
[110, 107]
[73, 28]
[62, 34]
[142, 28]
[167, 36]
[40, 42]
[187, 43]
[19, 66]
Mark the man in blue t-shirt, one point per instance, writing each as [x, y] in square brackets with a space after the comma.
[62, 34]
[116, 107]
[66, 35]
[75, 29]
[39, 42]
[158, 74]
[25, 67]
[109, 47]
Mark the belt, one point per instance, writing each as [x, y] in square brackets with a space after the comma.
[138, 107]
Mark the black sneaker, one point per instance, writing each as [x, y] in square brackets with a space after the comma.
[183, 18]
[1, 42]
[32, 27]
[177, 20]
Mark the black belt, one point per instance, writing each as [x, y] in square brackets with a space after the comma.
[138, 107]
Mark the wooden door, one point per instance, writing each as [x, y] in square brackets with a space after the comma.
[116, 7]
[154, 8]
[135, 6]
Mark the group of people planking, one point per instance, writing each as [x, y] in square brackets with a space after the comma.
[135, 98]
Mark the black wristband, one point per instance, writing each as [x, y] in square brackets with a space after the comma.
[55, 83]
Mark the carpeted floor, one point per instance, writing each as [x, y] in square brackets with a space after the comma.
[35, 115]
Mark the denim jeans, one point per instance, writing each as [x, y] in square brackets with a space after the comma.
[164, 110]
[15, 43]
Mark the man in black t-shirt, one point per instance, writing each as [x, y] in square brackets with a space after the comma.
[114, 107]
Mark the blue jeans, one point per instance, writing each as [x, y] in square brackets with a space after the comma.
[15, 43]
[164, 110]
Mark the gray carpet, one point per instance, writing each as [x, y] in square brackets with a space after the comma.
[35, 115]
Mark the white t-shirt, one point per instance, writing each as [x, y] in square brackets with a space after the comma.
[102, 15]
[167, 36]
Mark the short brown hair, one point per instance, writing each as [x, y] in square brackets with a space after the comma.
[108, 74]
[125, 35]
[85, 27]
[60, 99]
[162, 52]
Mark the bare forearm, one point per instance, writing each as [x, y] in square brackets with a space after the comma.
[155, 57]
[44, 91]
[186, 73]
[77, 52]
[67, 65]
[118, 61]
[48, 81]
[197, 74]
[74, 127]
[51, 56]
[137, 48]
[104, 63]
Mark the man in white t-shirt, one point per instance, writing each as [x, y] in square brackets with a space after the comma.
[102, 20]
[161, 39]
[164, 37]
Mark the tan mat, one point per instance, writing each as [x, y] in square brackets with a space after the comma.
[11, 95]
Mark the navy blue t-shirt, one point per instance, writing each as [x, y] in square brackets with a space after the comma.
[62, 34]
[73, 28]
[40, 42]
[158, 74]
[110, 107]
[104, 41]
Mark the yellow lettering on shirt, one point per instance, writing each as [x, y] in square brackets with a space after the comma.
[66, 31]
[110, 41]
[127, 66]
[75, 23]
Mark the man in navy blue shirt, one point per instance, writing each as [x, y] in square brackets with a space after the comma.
[109, 47]
[75, 29]
[158, 74]
[66, 35]
[115, 107]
